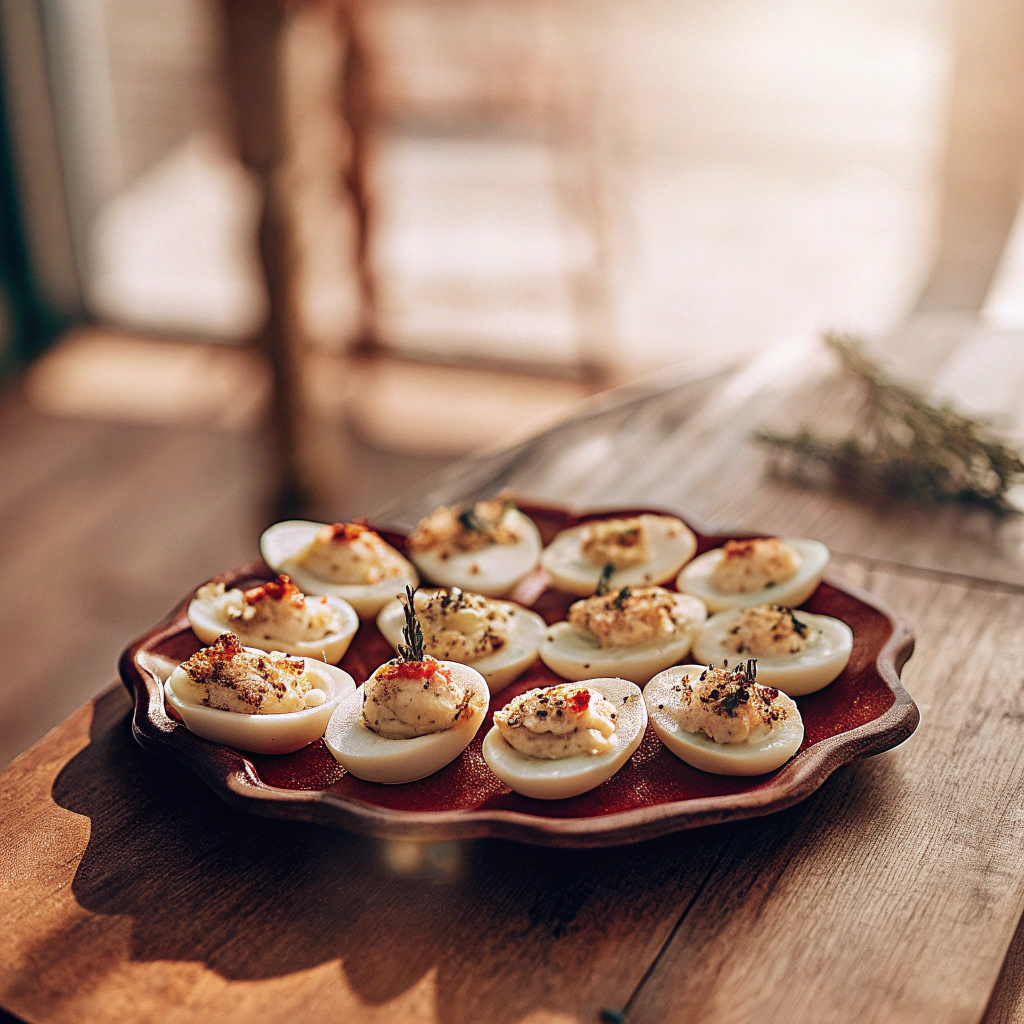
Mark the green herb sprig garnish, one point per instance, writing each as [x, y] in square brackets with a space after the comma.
[605, 578]
[901, 445]
[469, 520]
[412, 631]
[620, 601]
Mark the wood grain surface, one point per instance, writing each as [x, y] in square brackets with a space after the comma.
[1007, 1003]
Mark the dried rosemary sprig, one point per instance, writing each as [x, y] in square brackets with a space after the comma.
[412, 631]
[901, 445]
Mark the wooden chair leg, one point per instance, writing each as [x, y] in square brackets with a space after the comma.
[253, 34]
[356, 109]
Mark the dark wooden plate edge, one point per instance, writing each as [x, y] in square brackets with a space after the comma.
[233, 777]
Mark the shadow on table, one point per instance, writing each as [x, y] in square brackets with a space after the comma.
[254, 899]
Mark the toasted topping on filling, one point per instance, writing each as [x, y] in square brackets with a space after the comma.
[559, 721]
[228, 677]
[749, 565]
[403, 699]
[768, 630]
[274, 611]
[630, 617]
[351, 554]
[453, 528]
[729, 706]
[461, 627]
[617, 542]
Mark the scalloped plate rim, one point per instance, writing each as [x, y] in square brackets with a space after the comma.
[234, 778]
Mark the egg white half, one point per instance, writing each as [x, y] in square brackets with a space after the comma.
[526, 630]
[815, 666]
[492, 570]
[263, 734]
[669, 541]
[814, 558]
[698, 750]
[360, 751]
[575, 655]
[564, 777]
[283, 542]
[208, 624]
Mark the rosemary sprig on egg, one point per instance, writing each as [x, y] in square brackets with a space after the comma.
[412, 631]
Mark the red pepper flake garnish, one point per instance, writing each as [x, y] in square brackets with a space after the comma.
[225, 648]
[281, 589]
[412, 670]
[345, 533]
[579, 701]
[740, 548]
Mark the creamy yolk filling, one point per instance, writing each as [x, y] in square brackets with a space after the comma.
[620, 543]
[404, 699]
[274, 611]
[461, 627]
[559, 721]
[454, 528]
[768, 630]
[728, 706]
[228, 677]
[633, 617]
[350, 554]
[749, 565]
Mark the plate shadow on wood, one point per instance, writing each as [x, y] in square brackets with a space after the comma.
[253, 898]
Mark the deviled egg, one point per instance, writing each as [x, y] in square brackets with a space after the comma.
[796, 652]
[275, 616]
[246, 698]
[721, 720]
[413, 716]
[486, 548]
[641, 551]
[497, 638]
[631, 634]
[766, 570]
[346, 560]
[560, 741]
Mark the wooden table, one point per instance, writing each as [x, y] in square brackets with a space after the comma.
[130, 893]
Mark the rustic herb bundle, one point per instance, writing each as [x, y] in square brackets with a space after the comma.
[901, 445]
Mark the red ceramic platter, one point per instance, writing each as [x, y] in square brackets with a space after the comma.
[865, 711]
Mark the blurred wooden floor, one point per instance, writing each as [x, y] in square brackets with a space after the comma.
[101, 521]
[105, 525]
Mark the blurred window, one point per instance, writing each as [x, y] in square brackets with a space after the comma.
[552, 184]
